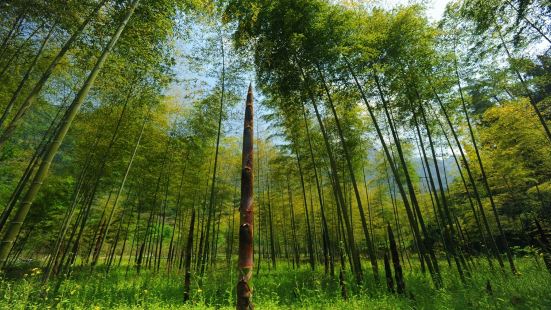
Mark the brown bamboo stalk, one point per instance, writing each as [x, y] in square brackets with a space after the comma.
[245, 261]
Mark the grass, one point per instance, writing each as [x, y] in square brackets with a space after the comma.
[282, 288]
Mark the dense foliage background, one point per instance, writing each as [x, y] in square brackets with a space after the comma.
[120, 137]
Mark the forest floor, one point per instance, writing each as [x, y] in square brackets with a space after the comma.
[280, 288]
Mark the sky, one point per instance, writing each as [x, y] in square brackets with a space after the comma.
[435, 8]
[205, 75]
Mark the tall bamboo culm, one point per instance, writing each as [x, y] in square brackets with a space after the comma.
[246, 210]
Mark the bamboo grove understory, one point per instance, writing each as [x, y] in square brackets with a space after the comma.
[385, 141]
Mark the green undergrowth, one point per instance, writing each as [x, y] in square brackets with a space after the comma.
[280, 288]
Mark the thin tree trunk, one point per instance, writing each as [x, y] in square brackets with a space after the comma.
[19, 49]
[409, 213]
[33, 163]
[213, 184]
[325, 230]
[13, 29]
[532, 25]
[431, 187]
[356, 267]
[111, 253]
[370, 247]
[400, 284]
[27, 75]
[296, 259]
[187, 262]
[271, 224]
[527, 91]
[483, 172]
[431, 261]
[65, 226]
[17, 221]
[121, 187]
[29, 100]
[308, 229]
[444, 201]
[388, 273]
[491, 243]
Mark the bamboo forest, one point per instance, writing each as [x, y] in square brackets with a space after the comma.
[275, 154]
